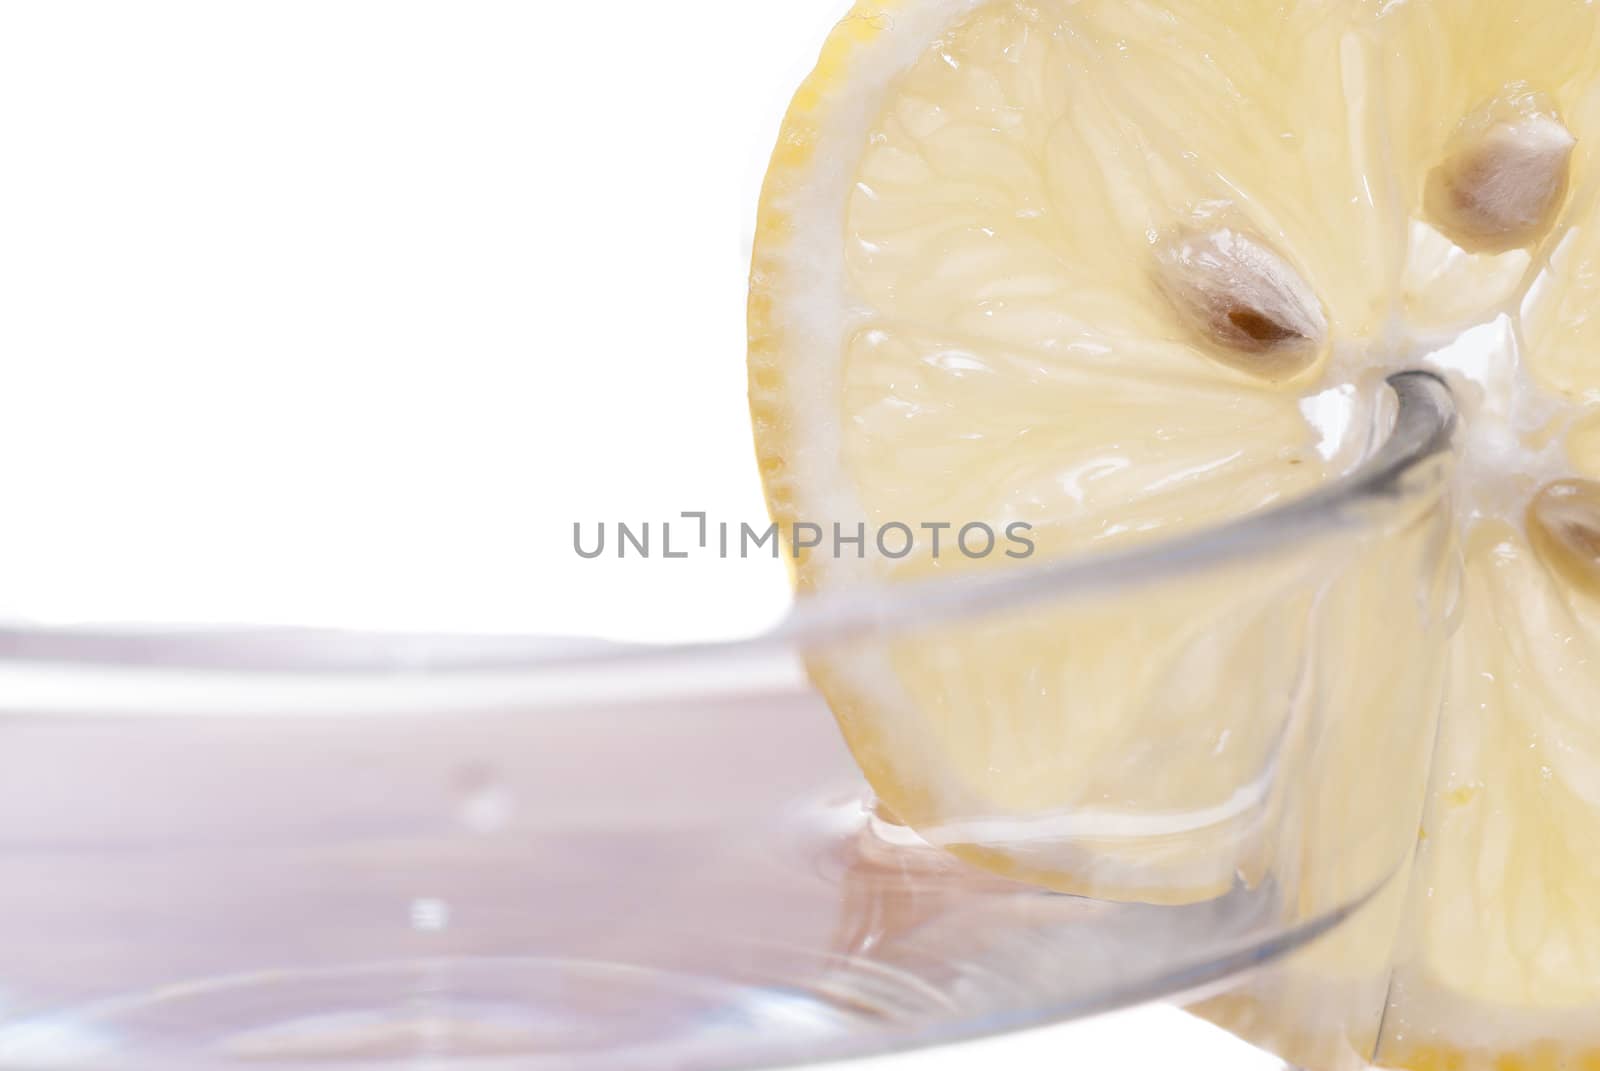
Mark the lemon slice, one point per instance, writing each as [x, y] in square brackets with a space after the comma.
[1092, 273]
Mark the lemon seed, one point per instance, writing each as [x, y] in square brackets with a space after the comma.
[1564, 526]
[1251, 307]
[1503, 176]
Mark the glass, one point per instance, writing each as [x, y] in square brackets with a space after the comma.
[264, 848]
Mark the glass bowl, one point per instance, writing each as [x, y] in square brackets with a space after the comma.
[320, 849]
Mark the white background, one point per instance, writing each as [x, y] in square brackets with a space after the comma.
[343, 313]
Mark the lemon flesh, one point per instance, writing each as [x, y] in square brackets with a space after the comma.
[957, 315]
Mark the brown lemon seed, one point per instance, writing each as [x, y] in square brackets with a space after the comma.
[1248, 303]
[1504, 174]
[1564, 527]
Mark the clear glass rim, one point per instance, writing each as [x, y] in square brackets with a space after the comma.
[1423, 429]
